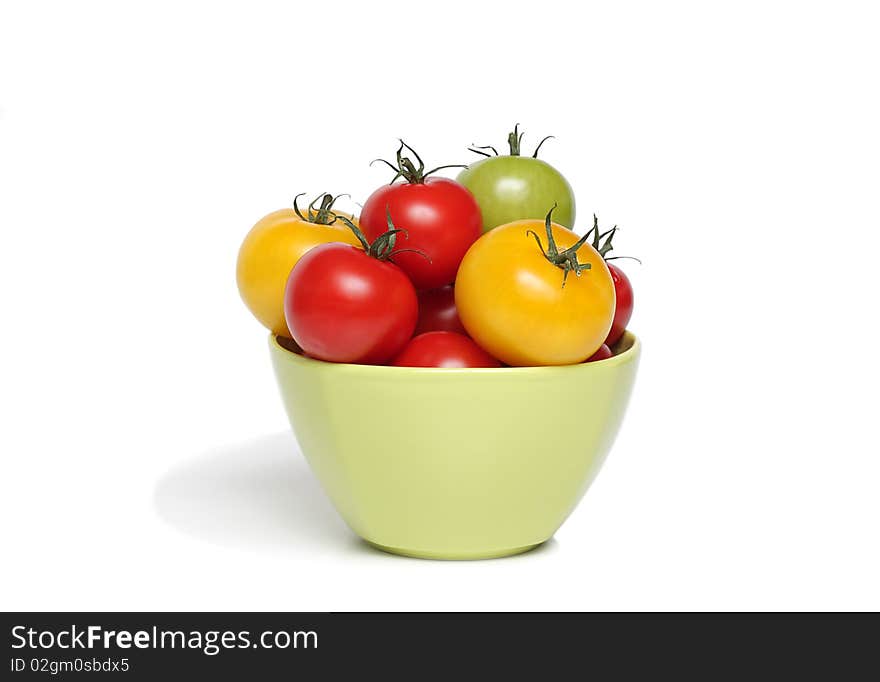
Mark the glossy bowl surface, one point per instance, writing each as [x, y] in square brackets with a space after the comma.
[455, 463]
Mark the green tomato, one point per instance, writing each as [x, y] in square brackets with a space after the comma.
[515, 187]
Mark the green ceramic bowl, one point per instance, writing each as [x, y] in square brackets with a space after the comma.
[455, 463]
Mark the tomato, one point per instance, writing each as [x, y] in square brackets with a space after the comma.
[624, 310]
[437, 312]
[345, 304]
[515, 187]
[443, 349]
[603, 353]
[622, 287]
[441, 218]
[528, 303]
[273, 247]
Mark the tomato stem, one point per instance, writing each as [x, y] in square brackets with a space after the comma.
[382, 247]
[479, 150]
[605, 247]
[407, 170]
[324, 215]
[514, 141]
[565, 260]
[540, 144]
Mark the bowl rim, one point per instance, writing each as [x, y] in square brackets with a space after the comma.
[621, 358]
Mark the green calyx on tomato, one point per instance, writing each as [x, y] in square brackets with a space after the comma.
[510, 187]
[565, 260]
[324, 214]
[407, 170]
[382, 247]
[605, 247]
[514, 141]
[623, 306]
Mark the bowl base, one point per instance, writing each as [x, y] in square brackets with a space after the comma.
[454, 556]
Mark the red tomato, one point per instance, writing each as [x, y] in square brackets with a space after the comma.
[622, 288]
[603, 353]
[441, 217]
[443, 349]
[437, 312]
[624, 310]
[344, 305]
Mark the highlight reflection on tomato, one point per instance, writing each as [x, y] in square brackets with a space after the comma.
[274, 245]
[514, 187]
[441, 219]
[437, 312]
[443, 349]
[530, 299]
[349, 304]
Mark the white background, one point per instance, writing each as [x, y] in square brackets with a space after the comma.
[147, 462]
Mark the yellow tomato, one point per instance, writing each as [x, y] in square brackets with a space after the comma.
[269, 252]
[535, 304]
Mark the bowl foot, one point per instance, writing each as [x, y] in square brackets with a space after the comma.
[454, 556]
